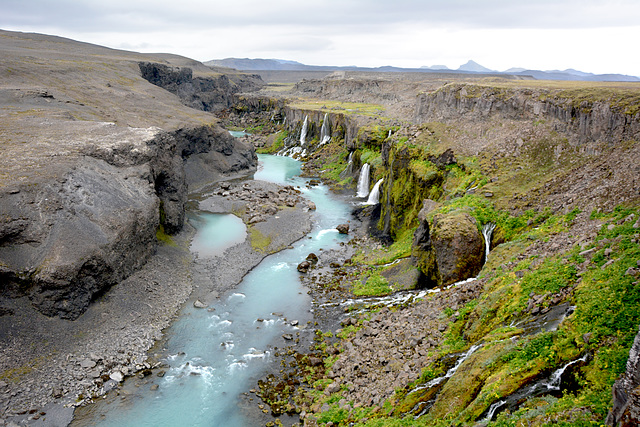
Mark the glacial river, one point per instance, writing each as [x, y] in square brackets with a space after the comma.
[214, 355]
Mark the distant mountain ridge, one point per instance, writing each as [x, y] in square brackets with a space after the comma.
[258, 64]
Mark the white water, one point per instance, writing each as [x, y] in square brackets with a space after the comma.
[487, 230]
[493, 408]
[325, 131]
[216, 355]
[303, 131]
[363, 181]
[554, 381]
[374, 196]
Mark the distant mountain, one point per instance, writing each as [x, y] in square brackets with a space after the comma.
[474, 67]
[576, 75]
[246, 64]
[435, 67]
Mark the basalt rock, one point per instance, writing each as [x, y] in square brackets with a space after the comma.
[343, 228]
[66, 239]
[449, 251]
[626, 395]
[202, 93]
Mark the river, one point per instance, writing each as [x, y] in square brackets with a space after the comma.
[215, 355]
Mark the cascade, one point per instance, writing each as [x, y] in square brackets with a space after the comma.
[303, 132]
[325, 131]
[554, 380]
[374, 196]
[363, 181]
[487, 229]
[389, 136]
[493, 408]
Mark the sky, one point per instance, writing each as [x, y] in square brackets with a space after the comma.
[597, 36]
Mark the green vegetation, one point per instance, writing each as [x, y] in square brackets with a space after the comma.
[374, 285]
[163, 237]
[328, 106]
[276, 143]
[259, 241]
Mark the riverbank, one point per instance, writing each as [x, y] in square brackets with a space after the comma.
[68, 363]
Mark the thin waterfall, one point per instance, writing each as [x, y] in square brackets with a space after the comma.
[493, 408]
[487, 230]
[303, 132]
[348, 171]
[363, 181]
[374, 196]
[325, 131]
[556, 377]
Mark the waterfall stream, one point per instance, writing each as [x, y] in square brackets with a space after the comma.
[363, 181]
[303, 131]
[325, 131]
[374, 196]
[487, 230]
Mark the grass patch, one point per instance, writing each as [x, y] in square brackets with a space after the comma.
[259, 241]
[375, 285]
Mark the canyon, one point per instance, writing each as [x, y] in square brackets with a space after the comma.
[101, 149]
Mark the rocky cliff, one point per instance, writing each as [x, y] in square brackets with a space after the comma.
[95, 164]
[66, 239]
[203, 93]
[581, 115]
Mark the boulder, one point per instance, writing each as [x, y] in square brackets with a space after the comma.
[312, 258]
[304, 266]
[450, 250]
[459, 247]
[199, 304]
[343, 228]
[117, 376]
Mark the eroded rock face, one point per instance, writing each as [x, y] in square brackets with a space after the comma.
[79, 235]
[207, 94]
[93, 220]
[450, 250]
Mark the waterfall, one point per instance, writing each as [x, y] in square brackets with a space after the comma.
[325, 131]
[554, 380]
[363, 181]
[493, 408]
[389, 136]
[303, 132]
[487, 229]
[374, 196]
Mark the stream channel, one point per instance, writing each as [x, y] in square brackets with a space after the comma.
[215, 355]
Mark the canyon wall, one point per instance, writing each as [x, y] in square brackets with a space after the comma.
[582, 120]
[67, 238]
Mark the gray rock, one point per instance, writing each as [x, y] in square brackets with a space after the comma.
[116, 376]
[199, 304]
[87, 363]
[343, 228]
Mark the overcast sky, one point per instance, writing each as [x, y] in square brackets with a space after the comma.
[599, 36]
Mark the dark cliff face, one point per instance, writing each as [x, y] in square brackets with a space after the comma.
[582, 122]
[206, 94]
[64, 241]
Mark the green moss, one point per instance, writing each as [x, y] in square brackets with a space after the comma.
[259, 242]
[163, 237]
[374, 285]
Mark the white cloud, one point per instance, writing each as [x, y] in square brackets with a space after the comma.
[590, 35]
